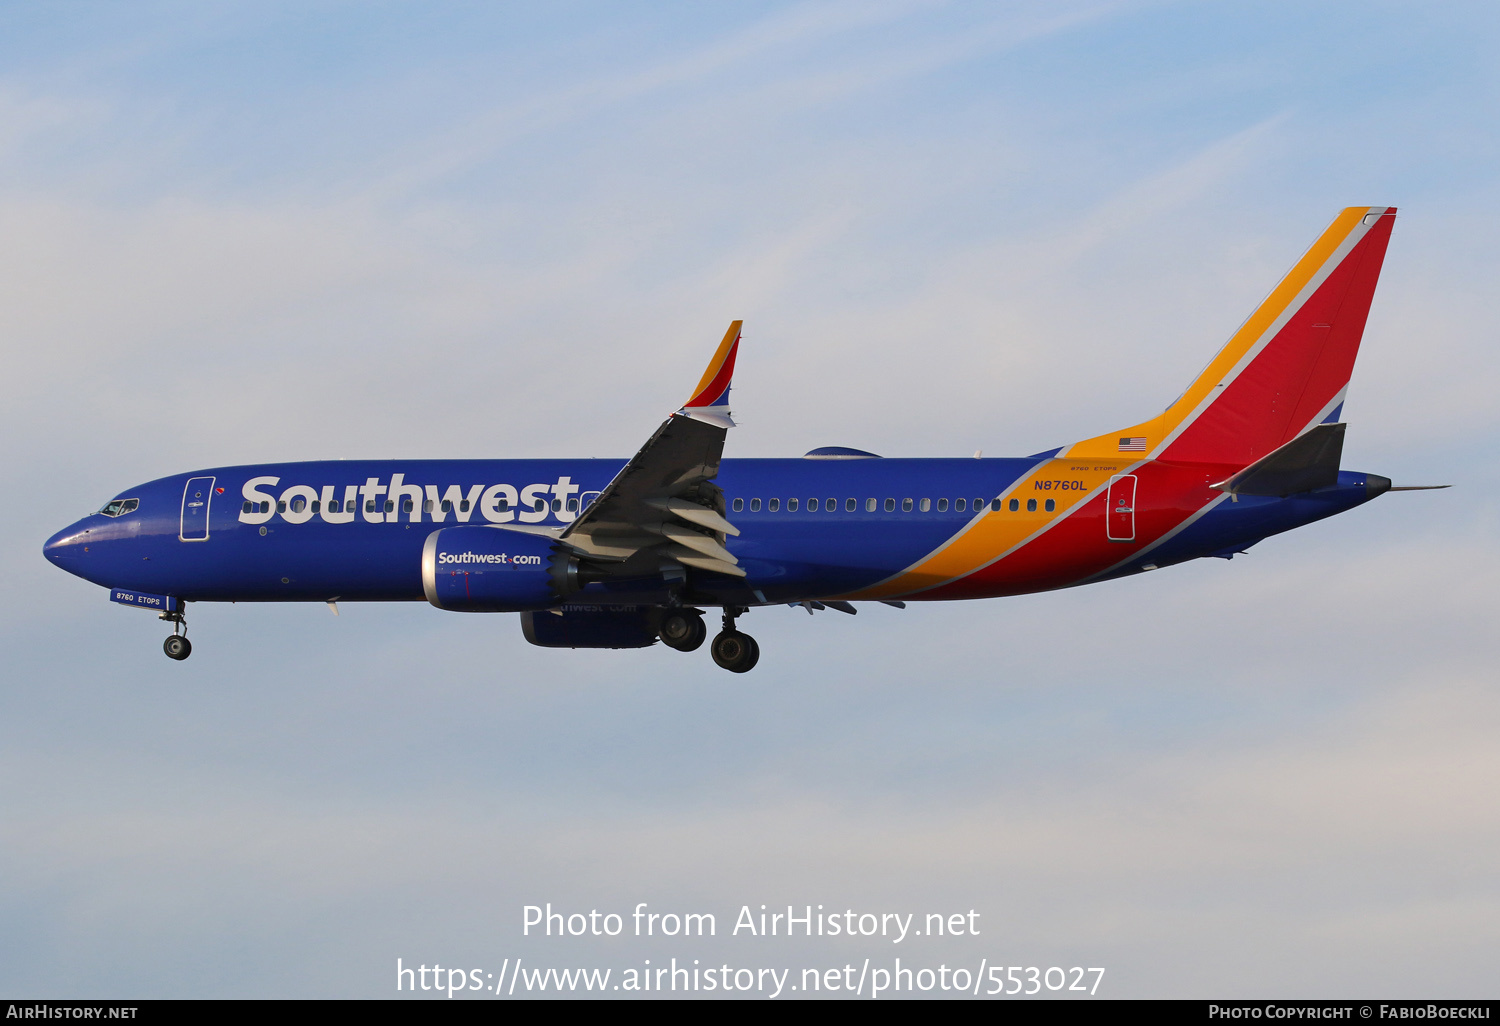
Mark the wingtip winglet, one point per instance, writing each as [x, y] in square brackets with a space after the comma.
[710, 400]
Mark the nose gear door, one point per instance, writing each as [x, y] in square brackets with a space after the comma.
[1119, 518]
[196, 497]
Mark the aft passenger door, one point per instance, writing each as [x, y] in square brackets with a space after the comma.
[1119, 519]
[196, 497]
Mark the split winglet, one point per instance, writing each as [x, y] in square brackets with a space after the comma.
[710, 400]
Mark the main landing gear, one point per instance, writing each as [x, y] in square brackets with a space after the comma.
[684, 629]
[177, 646]
[736, 652]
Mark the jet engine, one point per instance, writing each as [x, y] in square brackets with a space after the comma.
[481, 569]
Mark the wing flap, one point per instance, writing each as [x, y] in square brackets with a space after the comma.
[696, 514]
[697, 560]
[698, 542]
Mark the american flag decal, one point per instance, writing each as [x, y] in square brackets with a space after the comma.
[1132, 445]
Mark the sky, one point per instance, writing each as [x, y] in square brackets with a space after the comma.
[242, 232]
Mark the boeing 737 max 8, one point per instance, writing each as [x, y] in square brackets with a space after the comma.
[620, 554]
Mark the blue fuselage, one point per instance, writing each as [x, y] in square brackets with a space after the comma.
[354, 530]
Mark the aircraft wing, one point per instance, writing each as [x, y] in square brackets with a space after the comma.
[663, 511]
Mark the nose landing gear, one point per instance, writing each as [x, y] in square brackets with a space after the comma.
[733, 650]
[177, 646]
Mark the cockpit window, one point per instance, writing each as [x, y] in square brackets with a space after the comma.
[119, 507]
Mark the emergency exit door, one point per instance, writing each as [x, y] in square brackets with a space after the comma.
[196, 497]
[1119, 519]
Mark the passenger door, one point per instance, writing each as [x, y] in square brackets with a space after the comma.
[196, 497]
[1119, 518]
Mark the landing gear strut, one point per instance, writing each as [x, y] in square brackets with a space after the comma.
[682, 629]
[736, 652]
[177, 646]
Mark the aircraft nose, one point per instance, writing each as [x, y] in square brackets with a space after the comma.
[64, 546]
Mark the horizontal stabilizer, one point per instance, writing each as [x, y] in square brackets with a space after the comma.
[1307, 462]
[1416, 488]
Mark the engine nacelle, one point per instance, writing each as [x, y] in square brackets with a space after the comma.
[591, 627]
[481, 569]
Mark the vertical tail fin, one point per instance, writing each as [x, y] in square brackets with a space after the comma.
[1285, 370]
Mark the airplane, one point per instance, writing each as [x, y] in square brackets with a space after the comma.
[598, 553]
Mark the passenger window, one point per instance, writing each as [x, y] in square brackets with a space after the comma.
[265, 507]
[995, 505]
[463, 507]
[739, 504]
[1031, 505]
[812, 505]
[390, 505]
[369, 505]
[754, 505]
[281, 506]
[926, 505]
[850, 505]
[572, 505]
[960, 504]
[317, 506]
[791, 505]
[447, 506]
[539, 505]
[906, 505]
[869, 505]
[773, 505]
[406, 506]
[333, 505]
[831, 505]
[297, 504]
[557, 505]
[501, 504]
[427, 506]
[890, 505]
[978, 505]
[942, 505]
[245, 508]
[1051, 505]
[1015, 504]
